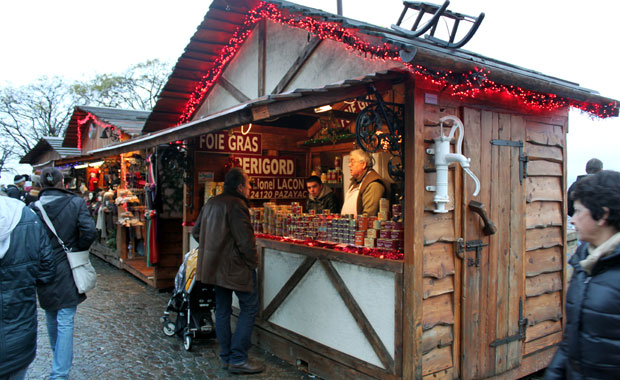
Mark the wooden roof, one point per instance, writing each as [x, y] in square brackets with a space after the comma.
[46, 144]
[128, 121]
[279, 106]
[225, 16]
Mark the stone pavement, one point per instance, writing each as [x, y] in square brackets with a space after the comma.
[118, 336]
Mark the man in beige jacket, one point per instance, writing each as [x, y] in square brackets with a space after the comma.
[367, 187]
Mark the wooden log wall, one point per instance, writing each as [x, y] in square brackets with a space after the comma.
[545, 230]
[543, 272]
[440, 301]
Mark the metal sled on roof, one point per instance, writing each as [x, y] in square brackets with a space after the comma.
[438, 12]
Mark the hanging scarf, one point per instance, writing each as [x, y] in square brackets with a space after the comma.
[152, 253]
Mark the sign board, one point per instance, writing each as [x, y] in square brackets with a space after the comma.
[266, 166]
[225, 142]
[205, 177]
[278, 188]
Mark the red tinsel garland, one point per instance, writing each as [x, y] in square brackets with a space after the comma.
[471, 84]
[374, 252]
[86, 119]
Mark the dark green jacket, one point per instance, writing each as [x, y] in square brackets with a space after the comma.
[325, 201]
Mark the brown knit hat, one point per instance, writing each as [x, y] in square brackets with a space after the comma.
[50, 177]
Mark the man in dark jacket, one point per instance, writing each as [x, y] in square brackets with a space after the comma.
[320, 196]
[76, 227]
[16, 190]
[227, 258]
[26, 258]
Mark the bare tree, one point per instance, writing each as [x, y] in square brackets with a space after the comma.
[30, 112]
[136, 88]
[7, 153]
[44, 108]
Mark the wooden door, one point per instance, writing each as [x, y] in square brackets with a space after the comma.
[492, 267]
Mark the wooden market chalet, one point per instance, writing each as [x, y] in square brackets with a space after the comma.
[477, 289]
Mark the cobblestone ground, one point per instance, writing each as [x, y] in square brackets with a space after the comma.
[118, 335]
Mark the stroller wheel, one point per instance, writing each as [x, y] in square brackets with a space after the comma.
[187, 342]
[169, 328]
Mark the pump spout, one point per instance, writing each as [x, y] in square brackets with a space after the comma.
[454, 157]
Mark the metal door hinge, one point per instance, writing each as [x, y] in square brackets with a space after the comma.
[523, 159]
[522, 328]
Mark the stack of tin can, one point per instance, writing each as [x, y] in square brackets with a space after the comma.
[379, 231]
[384, 209]
[256, 218]
[341, 229]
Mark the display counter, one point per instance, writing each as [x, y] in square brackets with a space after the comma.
[331, 310]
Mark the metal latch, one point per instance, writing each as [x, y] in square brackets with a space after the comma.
[523, 159]
[522, 327]
[472, 245]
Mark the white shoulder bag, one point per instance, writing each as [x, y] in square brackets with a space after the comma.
[84, 274]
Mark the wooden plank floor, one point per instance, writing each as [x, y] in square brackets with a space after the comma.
[138, 268]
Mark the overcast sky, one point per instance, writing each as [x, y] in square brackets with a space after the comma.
[571, 40]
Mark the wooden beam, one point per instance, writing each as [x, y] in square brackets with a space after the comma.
[288, 287]
[357, 313]
[414, 232]
[234, 91]
[332, 96]
[322, 360]
[262, 57]
[336, 114]
[297, 65]
[192, 129]
[329, 254]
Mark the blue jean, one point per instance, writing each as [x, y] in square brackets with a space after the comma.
[60, 331]
[234, 347]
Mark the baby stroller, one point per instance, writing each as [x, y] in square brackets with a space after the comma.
[192, 302]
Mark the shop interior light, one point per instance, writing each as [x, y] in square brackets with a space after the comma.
[323, 109]
[96, 164]
[80, 166]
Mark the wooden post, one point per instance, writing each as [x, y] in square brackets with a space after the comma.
[565, 274]
[262, 56]
[414, 236]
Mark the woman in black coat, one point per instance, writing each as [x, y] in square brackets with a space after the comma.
[59, 299]
[590, 348]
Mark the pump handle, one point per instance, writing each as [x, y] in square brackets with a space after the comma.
[477, 207]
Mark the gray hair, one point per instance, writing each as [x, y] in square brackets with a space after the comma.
[362, 155]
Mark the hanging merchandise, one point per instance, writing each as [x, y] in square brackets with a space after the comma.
[151, 180]
[152, 253]
[93, 180]
[100, 224]
[171, 176]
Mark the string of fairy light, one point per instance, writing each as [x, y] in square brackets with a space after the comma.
[470, 84]
[90, 117]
